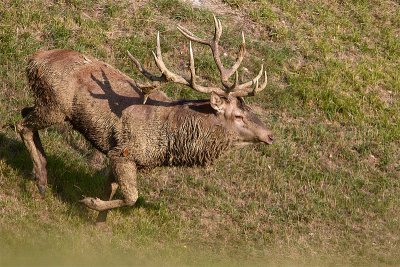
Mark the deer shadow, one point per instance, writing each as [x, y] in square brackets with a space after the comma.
[118, 103]
[68, 181]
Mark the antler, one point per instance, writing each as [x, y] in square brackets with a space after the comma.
[167, 75]
[213, 44]
[233, 89]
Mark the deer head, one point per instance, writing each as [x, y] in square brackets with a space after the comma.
[227, 101]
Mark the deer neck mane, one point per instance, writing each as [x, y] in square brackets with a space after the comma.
[197, 139]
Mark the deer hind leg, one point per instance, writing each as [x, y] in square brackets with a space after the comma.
[124, 172]
[33, 120]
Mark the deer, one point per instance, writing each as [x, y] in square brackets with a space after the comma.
[134, 124]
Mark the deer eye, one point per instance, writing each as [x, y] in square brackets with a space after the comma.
[238, 117]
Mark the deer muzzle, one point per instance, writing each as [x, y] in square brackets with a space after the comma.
[267, 138]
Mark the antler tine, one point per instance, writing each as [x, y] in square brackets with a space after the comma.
[146, 73]
[262, 87]
[246, 89]
[188, 34]
[192, 81]
[146, 88]
[239, 58]
[218, 29]
[246, 86]
[235, 83]
[169, 76]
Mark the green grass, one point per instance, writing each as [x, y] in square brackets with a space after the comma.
[326, 193]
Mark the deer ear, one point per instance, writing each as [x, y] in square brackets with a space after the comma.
[217, 102]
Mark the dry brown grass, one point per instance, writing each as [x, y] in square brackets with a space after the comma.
[327, 193]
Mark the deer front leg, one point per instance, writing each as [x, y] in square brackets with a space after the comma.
[124, 172]
[34, 120]
[32, 142]
[109, 191]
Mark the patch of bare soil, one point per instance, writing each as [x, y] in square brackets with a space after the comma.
[219, 8]
[215, 6]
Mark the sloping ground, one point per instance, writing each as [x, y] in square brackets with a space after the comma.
[327, 193]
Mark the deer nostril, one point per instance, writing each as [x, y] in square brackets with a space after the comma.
[271, 136]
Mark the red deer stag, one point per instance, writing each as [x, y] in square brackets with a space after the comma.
[108, 108]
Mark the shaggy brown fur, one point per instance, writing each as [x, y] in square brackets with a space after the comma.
[106, 107]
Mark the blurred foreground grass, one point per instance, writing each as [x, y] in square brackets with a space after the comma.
[328, 191]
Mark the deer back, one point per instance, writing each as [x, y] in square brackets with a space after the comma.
[88, 92]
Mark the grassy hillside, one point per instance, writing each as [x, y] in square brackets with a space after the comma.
[327, 192]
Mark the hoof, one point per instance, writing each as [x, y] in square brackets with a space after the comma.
[92, 203]
[42, 190]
